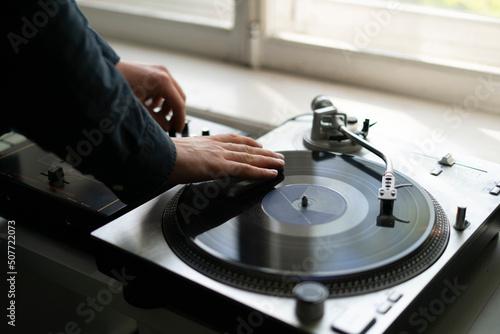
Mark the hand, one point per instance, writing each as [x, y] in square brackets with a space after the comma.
[212, 157]
[154, 86]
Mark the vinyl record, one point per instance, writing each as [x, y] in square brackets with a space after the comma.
[319, 220]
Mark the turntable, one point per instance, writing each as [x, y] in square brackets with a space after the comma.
[337, 243]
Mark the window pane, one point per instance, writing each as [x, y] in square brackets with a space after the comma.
[394, 27]
[482, 7]
[210, 12]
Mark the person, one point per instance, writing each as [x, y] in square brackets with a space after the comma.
[74, 96]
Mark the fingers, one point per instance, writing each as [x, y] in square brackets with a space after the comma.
[174, 100]
[235, 139]
[251, 172]
[256, 157]
[205, 158]
[178, 87]
[153, 103]
[249, 151]
[154, 86]
[161, 119]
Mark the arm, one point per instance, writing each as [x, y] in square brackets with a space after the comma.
[152, 84]
[74, 102]
[106, 50]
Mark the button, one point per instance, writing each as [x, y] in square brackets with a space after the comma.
[436, 171]
[495, 191]
[354, 322]
[384, 307]
[498, 183]
[205, 131]
[395, 296]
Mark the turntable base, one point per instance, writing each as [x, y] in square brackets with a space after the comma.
[136, 241]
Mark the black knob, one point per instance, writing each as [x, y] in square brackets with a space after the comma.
[55, 174]
[185, 131]
[310, 298]
[461, 223]
[205, 131]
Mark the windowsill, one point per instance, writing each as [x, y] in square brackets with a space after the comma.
[257, 101]
[428, 78]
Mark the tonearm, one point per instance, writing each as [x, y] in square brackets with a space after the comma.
[330, 128]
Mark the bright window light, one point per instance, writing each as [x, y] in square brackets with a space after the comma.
[205, 12]
[458, 32]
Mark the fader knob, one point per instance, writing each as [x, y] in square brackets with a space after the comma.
[310, 298]
[447, 160]
[55, 174]
[205, 131]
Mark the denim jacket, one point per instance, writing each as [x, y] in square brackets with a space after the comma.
[68, 98]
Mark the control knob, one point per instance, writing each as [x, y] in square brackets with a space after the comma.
[310, 297]
[461, 223]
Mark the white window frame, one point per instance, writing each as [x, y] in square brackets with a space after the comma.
[463, 86]
[201, 37]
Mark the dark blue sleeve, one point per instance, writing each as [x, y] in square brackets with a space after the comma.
[70, 99]
[106, 50]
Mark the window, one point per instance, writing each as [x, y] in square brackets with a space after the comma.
[484, 7]
[204, 27]
[216, 13]
[437, 49]
[398, 28]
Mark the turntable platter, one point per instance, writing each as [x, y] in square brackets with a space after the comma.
[318, 221]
